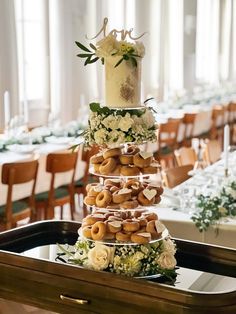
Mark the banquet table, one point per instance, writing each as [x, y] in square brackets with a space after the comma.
[43, 179]
[178, 221]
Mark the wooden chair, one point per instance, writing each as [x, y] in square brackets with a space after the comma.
[58, 163]
[211, 152]
[175, 176]
[80, 185]
[188, 121]
[185, 156]
[218, 121]
[15, 211]
[167, 141]
[232, 120]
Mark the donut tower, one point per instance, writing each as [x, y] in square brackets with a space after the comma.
[122, 233]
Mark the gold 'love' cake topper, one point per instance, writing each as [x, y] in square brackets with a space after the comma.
[123, 33]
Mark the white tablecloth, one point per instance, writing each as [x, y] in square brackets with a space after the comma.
[43, 180]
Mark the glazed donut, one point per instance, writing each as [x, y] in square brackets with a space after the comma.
[141, 237]
[93, 218]
[126, 159]
[149, 170]
[113, 152]
[130, 225]
[121, 196]
[107, 166]
[113, 182]
[103, 198]
[141, 162]
[94, 191]
[134, 185]
[86, 231]
[109, 236]
[123, 236]
[96, 159]
[129, 204]
[90, 200]
[96, 168]
[129, 171]
[132, 150]
[91, 185]
[98, 230]
[144, 201]
[150, 216]
[151, 227]
[114, 226]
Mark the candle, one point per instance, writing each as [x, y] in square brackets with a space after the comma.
[6, 108]
[226, 146]
[26, 112]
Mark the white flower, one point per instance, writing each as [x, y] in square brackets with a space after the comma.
[111, 122]
[222, 210]
[148, 119]
[106, 46]
[169, 246]
[166, 260]
[140, 48]
[125, 123]
[100, 256]
[100, 136]
[230, 191]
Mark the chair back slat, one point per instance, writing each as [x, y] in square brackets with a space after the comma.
[185, 156]
[23, 172]
[61, 162]
[175, 176]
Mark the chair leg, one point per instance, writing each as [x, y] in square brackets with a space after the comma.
[72, 207]
[61, 212]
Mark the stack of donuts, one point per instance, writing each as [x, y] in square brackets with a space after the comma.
[139, 227]
[118, 194]
[129, 162]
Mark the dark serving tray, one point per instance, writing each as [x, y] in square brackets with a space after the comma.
[29, 273]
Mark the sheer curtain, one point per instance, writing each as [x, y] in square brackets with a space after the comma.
[8, 58]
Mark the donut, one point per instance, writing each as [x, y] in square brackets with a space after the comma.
[134, 185]
[132, 150]
[142, 222]
[96, 159]
[121, 196]
[86, 231]
[150, 216]
[96, 168]
[107, 166]
[157, 200]
[114, 226]
[113, 206]
[94, 191]
[109, 236]
[113, 152]
[113, 182]
[130, 225]
[126, 159]
[151, 228]
[93, 218]
[116, 171]
[90, 200]
[141, 237]
[90, 185]
[98, 230]
[149, 170]
[129, 204]
[114, 218]
[141, 162]
[144, 201]
[129, 171]
[123, 236]
[103, 198]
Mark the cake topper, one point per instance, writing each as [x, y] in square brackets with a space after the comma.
[115, 32]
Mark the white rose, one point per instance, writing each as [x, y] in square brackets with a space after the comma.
[100, 257]
[100, 136]
[106, 46]
[126, 123]
[169, 246]
[111, 122]
[166, 260]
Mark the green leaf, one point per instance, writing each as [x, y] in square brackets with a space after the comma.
[119, 62]
[134, 61]
[102, 59]
[94, 106]
[82, 47]
[126, 57]
[92, 46]
[87, 61]
[93, 60]
[83, 55]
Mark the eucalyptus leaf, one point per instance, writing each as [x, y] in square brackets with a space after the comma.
[93, 60]
[119, 62]
[83, 55]
[82, 46]
[92, 46]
